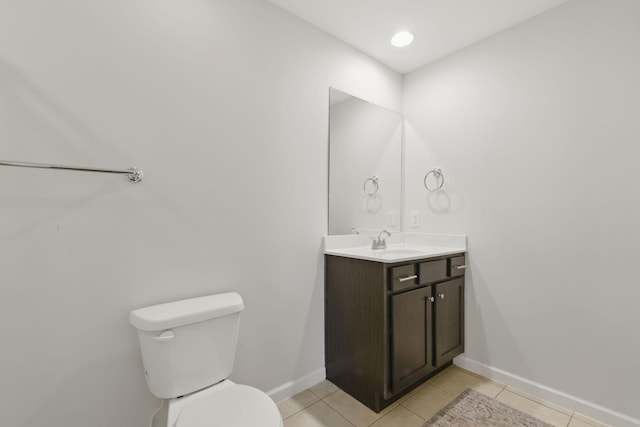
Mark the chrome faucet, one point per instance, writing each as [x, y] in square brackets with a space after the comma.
[380, 243]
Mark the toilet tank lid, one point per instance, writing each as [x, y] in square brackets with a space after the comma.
[183, 312]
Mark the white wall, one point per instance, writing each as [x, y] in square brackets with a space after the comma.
[537, 131]
[224, 105]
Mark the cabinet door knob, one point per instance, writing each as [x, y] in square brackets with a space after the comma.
[404, 279]
[431, 299]
[441, 296]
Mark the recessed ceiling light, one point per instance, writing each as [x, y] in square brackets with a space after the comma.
[402, 39]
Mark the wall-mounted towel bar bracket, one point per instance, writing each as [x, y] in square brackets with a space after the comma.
[133, 175]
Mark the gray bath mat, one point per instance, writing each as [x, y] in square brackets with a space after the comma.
[473, 409]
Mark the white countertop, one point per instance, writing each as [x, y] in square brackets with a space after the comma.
[400, 246]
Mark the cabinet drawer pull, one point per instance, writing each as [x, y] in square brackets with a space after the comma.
[460, 267]
[404, 279]
[441, 296]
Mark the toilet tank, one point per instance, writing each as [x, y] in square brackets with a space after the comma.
[188, 345]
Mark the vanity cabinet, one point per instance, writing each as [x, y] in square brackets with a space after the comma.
[390, 326]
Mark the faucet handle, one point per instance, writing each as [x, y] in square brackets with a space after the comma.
[383, 232]
[382, 243]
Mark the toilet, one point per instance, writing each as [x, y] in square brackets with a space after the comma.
[188, 349]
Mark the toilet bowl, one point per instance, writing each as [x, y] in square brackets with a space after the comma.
[225, 404]
[188, 349]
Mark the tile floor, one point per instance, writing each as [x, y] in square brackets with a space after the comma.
[325, 405]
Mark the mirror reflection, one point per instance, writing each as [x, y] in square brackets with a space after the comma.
[365, 149]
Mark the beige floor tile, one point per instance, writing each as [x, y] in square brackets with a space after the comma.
[455, 381]
[297, 403]
[579, 420]
[441, 373]
[317, 415]
[427, 401]
[353, 410]
[399, 417]
[528, 406]
[541, 401]
[473, 374]
[325, 405]
[412, 393]
[324, 389]
[575, 422]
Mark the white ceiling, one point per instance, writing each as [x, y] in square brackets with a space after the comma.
[441, 27]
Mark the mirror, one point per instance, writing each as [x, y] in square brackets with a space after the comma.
[365, 176]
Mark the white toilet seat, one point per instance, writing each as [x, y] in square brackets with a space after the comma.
[232, 406]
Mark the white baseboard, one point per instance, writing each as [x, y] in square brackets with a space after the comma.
[294, 387]
[548, 394]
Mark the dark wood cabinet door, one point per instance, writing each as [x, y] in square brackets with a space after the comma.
[411, 337]
[449, 320]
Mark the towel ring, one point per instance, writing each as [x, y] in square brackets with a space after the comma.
[437, 173]
[374, 181]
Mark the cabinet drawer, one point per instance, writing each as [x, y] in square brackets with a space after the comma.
[457, 266]
[432, 271]
[403, 277]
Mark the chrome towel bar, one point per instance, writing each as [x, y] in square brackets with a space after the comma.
[132, 175]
